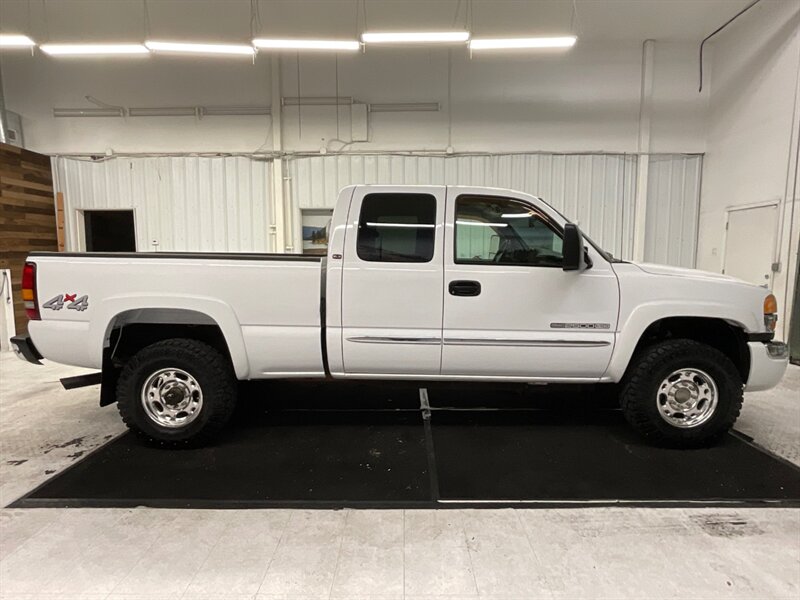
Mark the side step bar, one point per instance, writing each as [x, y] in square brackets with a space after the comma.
[70, 383]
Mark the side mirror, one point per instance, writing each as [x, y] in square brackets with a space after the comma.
[574, 252]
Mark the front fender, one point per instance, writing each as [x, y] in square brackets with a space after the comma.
[644, 315]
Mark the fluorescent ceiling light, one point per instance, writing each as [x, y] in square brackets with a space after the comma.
[403, 225]
[9, 40]
[481, 224]
[92, 49]
[192, 48]
[272, 44]
[421, 37]
[512, 43]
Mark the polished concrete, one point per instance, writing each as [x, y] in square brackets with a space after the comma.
[128, 554]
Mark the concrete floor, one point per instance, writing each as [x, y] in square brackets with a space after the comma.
[142, 553]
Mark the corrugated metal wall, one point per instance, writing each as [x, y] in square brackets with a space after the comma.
[673, 201]
[596, 190]
[215, 204]
[223, 203]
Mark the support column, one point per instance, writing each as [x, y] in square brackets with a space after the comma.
[278, 228]
[643, 149]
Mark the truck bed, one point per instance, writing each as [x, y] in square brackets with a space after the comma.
[267, 305]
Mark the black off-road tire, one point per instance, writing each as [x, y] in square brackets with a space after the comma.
[655, 363]
[211, 370]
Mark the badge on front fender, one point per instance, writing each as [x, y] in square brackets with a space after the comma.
[72, 301]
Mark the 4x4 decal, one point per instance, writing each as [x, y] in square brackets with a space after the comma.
[72, 301]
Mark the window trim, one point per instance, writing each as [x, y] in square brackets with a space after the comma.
[432, 226]
[545, 218]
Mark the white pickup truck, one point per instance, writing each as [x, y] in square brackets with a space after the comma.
[419, 282]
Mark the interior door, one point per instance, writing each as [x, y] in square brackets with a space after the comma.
[509, 308]
[392, 281]
[744, 258]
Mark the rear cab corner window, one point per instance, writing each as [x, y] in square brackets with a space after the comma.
[503, 231]
[397, 227]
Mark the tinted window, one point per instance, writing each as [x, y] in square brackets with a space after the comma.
[506, 232]
[397, 227]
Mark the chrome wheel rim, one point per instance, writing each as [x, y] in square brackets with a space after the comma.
[172, 398]
[687, 398]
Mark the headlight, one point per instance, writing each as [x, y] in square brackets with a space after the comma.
[770, 312]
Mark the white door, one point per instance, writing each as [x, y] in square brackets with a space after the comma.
[509, 308]
[750, 243]
[392, 281]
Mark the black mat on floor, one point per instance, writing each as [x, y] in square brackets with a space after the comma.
[594, 456]
[370, 446]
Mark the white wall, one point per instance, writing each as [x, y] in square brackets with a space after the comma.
[210, 204]
[585, 99]
[752, 132]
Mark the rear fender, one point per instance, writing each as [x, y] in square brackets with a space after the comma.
[122, 309]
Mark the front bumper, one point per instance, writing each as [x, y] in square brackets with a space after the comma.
[23, 347]
[768, 363]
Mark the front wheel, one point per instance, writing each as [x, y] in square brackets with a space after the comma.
[176, 392]
[682, 393]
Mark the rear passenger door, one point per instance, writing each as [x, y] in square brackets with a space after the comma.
[392, 281]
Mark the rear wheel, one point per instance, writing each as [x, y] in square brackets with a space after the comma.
[682, 393]
[176, 392]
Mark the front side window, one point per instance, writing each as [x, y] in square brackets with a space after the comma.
[397, 228]
[506, 232]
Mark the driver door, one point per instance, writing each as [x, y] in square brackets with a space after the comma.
[509, 309]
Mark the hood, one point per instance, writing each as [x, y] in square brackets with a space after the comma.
[654, 269]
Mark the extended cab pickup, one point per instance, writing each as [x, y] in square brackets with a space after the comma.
[419, 282]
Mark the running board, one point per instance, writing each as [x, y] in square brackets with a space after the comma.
[70, 383]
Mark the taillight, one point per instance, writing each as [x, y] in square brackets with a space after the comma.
[29, 291]
[770, 312]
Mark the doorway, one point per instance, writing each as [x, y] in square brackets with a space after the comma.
[750, 243]
[109, 231]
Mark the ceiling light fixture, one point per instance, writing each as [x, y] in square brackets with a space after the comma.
[273, 44]
[92, 49]
[12, 40]
[421, 37]
[194, 48]
[520, 43]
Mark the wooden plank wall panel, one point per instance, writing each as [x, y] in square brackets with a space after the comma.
[27, 215]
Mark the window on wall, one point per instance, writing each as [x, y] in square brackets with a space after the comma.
[501, 231]
[397, 228]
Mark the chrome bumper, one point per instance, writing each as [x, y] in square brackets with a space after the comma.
[768, 361]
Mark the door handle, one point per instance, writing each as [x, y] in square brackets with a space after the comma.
[464, 288]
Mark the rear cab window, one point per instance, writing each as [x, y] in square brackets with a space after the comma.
[397, 227]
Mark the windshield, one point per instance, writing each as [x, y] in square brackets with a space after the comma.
[607, 255]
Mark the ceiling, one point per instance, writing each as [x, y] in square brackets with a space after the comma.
[230, 20]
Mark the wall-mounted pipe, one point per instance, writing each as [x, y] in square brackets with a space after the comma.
[716, 31]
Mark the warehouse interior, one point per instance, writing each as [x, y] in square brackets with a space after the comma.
[669, 130]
